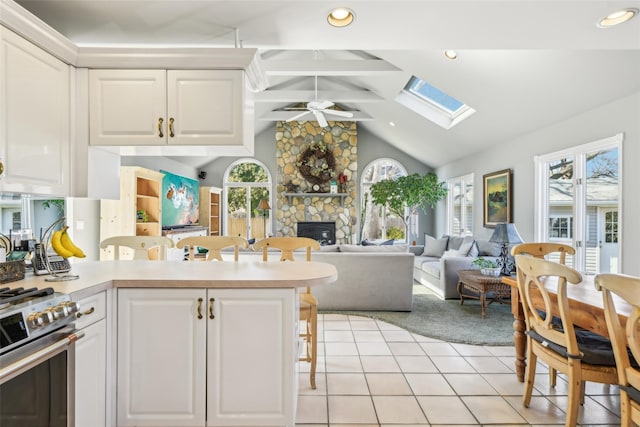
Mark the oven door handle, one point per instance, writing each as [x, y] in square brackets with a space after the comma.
[25, 363]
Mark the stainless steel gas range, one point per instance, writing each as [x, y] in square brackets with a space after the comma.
[37, 357]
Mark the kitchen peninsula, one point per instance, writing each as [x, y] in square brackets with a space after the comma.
[197, 343]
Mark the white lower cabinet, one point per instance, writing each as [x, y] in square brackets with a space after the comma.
[91, 363]
[231, 351]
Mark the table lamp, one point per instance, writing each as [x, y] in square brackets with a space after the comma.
[505, 234]
[264, 207]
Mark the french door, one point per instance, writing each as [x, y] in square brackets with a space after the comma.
[578, 203]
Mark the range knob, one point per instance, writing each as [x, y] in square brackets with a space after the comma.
[35, 320]
[72, 307]
[60, 312]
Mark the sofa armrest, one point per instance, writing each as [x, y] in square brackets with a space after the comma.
[449, 267]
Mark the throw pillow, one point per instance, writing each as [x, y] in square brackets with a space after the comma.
[487, 248]
[473, 252]
[434, 247]
[387, 242]
[455, 242]
[466, 246]
[365, 242]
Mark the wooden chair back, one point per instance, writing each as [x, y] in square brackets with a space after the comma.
[287, 245]
[213, 244]
[530, 271]
[623, 338]
[542, 249]
[141, 246]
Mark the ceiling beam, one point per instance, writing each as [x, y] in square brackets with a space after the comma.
[327, 67]
[309, 95]
[275, 116]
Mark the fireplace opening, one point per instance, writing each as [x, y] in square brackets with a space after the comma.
[323, 232]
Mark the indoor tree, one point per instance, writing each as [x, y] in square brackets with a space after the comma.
[405, 194]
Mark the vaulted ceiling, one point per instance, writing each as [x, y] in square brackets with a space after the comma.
[522, 65]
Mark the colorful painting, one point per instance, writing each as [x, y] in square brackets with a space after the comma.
[180, 200]
[497, 198]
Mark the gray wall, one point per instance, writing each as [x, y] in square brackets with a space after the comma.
[157, 163]
[370, 147]
[621, 116]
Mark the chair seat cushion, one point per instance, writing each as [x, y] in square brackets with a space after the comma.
[595, 349]
[634, 393]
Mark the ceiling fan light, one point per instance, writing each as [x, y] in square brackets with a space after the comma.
[617, 18]
[340, 17]
[451, 54]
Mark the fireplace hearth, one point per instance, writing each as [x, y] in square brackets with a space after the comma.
[322, 231]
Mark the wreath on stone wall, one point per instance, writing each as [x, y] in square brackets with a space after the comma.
[317, 163]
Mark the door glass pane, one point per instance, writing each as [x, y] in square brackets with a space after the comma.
[561, 203]
[237, 211]
[602, 193]
[259, 218]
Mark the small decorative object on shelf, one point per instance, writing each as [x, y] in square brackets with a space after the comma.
[142, 216]
[317, 163]
[487, 267]
[333, 186]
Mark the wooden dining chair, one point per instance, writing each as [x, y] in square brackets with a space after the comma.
[213, 245]
[625, 340]
[308, 302]
[580, 355]
[550, 251]
[143, 247]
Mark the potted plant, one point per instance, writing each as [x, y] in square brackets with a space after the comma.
[487, 267]
[404, 195]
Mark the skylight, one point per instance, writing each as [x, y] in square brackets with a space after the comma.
[433, 104]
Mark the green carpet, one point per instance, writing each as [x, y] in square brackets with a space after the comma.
[448, 320]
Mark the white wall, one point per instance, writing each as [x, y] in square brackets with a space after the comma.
[621, 116]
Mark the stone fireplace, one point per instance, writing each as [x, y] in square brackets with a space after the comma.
[307, 204]
[322, 231]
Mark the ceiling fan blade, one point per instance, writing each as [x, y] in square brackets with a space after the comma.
[320, 118]
[324, 104]
[339, 113]
[297, 116]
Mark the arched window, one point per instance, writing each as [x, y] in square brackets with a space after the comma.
[246, 183]
[377, 222]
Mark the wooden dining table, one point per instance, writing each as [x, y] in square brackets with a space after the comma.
[587, 311]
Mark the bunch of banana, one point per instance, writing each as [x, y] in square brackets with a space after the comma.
[62, 244]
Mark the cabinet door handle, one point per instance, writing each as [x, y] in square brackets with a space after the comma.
[160, 121]
[211, 301]
[86, 313]
[171, 133]
[199, 308]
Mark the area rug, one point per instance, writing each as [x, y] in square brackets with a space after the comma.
[449, 321]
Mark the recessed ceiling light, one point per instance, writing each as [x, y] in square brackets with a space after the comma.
[451, 54]
[616, 18]
[392, 124]
[341, 17]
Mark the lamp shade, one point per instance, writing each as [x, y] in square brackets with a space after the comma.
[264, 205]
[505, 233]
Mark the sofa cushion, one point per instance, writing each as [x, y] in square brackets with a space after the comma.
[487, 248]
[374, 248]
[434, 247]
[432, 268]
[452, 253]
[419, 260]
[454, 242]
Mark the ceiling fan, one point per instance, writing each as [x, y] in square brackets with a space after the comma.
[319, 109]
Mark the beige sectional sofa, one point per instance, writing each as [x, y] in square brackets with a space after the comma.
[437, 267]
[370, 278]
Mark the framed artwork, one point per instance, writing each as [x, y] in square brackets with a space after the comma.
[497, 198]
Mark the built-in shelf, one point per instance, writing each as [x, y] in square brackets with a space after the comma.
[340, 195]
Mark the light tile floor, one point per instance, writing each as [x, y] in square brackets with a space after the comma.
[371, 373]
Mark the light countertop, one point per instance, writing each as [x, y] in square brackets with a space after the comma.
[95, 276]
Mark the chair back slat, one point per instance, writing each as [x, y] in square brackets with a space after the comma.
[533, 276]
[139, 244]
[542, 249]
[213, 245]
[627, 288]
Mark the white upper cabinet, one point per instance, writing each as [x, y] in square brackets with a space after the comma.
[34, 118]
[159, 107]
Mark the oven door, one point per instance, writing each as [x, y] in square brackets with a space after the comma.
[37, 382]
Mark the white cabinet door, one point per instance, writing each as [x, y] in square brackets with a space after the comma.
[251, 357]
[127, 107]
[204, 107]
[34, 118]
[91, 391]
[161, 357]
